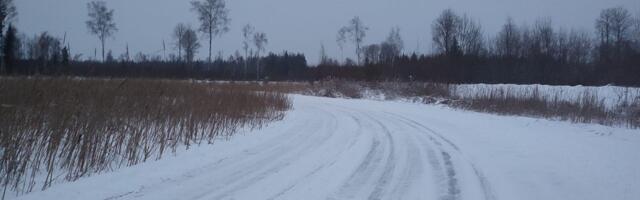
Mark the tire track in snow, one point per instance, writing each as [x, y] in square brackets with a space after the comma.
[482, 180]
[253, 176]
[389, 168]
[440, 163]
[385, 178]
[453, 190]
[315, 144]
[363, 172]
[323, 166]
[387, 185]
[413, 165]
[381, 152]
[243, 164]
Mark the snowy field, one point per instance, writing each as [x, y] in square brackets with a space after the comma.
[362, 149]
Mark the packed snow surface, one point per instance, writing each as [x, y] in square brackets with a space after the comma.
[362, 149]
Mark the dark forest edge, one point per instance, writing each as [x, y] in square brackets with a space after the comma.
[522, 54]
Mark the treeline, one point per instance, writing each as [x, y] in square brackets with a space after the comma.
[538, 53]
[44, 54]
[519, 53]
[276, 67]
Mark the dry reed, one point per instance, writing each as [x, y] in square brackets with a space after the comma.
[60, 128]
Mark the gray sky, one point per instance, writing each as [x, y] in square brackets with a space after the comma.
[294, 25]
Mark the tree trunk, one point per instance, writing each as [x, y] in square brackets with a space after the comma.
[180, 48]
[210, 42]
[258, 66]
[358, 51]
[102, 41]
[246, 63]
[3, 57]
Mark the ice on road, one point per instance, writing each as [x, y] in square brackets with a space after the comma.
[359, 149]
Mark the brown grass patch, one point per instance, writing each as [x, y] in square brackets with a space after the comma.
[79, 127]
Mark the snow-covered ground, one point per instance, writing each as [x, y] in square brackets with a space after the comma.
[362, 149]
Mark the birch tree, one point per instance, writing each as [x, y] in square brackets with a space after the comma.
[100, 22]
[247, 35]
[260, 41]
[214, 18]
[355, 31]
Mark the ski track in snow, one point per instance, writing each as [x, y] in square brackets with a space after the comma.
[326, 150]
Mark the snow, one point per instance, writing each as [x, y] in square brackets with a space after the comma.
[362, 149]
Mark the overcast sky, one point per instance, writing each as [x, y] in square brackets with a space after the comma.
[294, 25]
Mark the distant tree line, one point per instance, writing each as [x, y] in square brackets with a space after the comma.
[537, 53]
[518, 53]
[277, 67]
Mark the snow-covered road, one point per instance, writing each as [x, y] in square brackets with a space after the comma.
[360, 149]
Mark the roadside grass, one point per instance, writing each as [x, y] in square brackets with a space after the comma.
[587, 106]
[65, 128]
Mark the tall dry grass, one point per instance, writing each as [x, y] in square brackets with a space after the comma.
[57, 128]
[586, 107]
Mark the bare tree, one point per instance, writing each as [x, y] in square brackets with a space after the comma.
[341, 39]
[127, 56]
[44, 49]
[31, 46]
[178, 34]
[562, 48]
[260, 41]
[324, 59]
[508, 40]
[45, 44]
[470, 36]
[355, 31]
[614, 28]
[247, 34]
[621, 24]
[454, 35]
[100, 22]
[110, 58]
[7, 13]
[371, 54]
[387, 53]
[445, 30]
[636, 31]
[214, 18]
[543, 37]
[526, 41]
[579, 47]
[391, 48]
[394, 40]
[190, 44]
